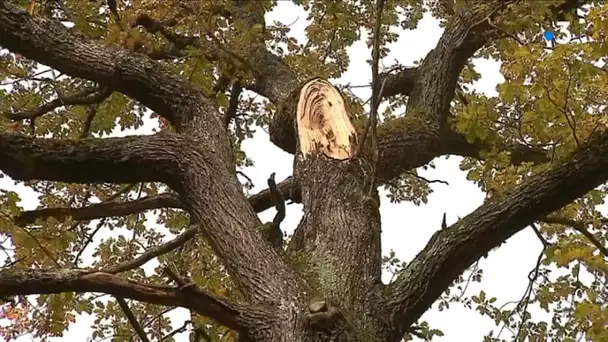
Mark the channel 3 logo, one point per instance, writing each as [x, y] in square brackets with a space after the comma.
[552, 40]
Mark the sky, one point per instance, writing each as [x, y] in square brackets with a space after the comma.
[406, 228]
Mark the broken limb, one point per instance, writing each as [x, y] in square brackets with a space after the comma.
[272, 230]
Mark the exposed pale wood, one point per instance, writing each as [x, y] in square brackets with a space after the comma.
[323, 123]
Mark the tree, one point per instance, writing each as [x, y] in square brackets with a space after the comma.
[540, 150]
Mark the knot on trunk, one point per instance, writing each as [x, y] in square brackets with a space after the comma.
[321, 315]
[326, 322]
[323, 123]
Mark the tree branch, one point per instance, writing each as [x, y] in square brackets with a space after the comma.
[83, 97]
[579, 226]
[132, 319]
[134, 75]
[111, 160]
[289, 189]
[456, 144]
[260, 202]
[400, 83]
[104, 209]
[31, 282]
[150, 254]
[450, 251]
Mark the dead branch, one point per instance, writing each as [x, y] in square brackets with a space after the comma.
[323, 123]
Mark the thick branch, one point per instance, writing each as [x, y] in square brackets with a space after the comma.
[51, 43]
[452, 250]
[435, 84]
[115, 160]
[261, 201]
[31, 282]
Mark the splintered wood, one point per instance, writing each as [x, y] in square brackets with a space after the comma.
[322, 121]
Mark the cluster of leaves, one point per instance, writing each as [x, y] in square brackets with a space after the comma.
[553, 98]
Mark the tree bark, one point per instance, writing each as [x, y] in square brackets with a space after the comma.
[341, 205]
[326, 287]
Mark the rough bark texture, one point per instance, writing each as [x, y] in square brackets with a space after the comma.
[340, 204]
[326, 287]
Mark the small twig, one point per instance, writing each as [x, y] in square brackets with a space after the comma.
[427, 180]
[45, 250]
[84, 97]
[244, 175]
[540, 236]
[532, 276]
[473, 271]
[579, 226]
[89, 240]
[479, 22]
[132, 319]
[157, 316]
[176, 331]
[171, 272]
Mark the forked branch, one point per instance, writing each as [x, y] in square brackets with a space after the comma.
[449, 252]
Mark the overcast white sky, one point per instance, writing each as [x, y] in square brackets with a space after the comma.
[406, 227]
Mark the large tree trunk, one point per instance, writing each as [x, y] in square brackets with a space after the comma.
[340, 204]
[326, 285]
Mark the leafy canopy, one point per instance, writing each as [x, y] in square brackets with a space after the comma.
[551, 98]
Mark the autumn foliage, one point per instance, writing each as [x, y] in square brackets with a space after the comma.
[131, 226]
